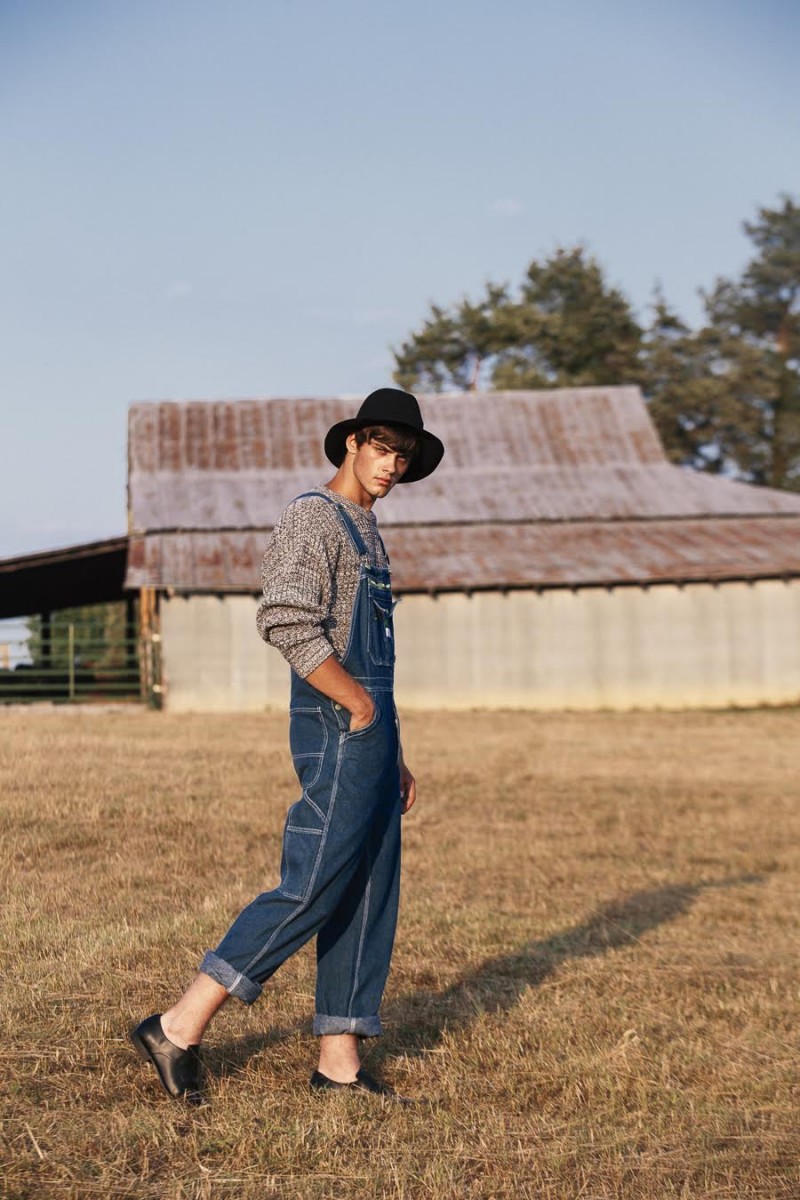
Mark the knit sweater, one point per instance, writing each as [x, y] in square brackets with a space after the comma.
[310, 579]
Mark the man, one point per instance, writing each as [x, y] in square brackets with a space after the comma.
[328, 608]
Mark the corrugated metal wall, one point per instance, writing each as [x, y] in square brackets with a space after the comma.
[213, 659]
[673, 647]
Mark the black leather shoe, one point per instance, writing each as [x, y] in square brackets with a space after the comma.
[363, 1082]
[178, 1070]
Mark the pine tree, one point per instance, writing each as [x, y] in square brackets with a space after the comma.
[565, 327]
[727, 396]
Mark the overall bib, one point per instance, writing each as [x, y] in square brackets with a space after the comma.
[340, 868]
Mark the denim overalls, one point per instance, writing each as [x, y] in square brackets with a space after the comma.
[340, 869]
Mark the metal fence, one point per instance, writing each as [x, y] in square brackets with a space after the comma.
[74, 662]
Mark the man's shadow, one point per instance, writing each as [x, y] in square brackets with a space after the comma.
[417, 1020]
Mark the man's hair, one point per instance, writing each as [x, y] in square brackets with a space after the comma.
[402, 441]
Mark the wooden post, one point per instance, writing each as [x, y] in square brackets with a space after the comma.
[45, 673]
[149, 649]
[71, 657]
[131, 655]
[144, 643]
[47, 640]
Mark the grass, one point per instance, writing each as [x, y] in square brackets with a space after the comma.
[594, 991]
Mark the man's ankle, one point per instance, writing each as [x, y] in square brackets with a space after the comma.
[340, 1070]
[174, 1035]
[339, 1059]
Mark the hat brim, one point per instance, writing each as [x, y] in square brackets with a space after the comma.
[429, 453]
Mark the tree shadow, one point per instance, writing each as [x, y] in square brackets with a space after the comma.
[418, 1019]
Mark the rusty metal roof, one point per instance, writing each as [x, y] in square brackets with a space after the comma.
[536, 488]
[471, 558]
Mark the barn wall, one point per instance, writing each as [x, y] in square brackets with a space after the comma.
[696, 646]
[665, 646]
[213, 659]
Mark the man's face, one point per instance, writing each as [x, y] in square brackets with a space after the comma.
[376, 467]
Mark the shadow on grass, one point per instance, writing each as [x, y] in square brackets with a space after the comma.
[233, 1057]
[418, 1019]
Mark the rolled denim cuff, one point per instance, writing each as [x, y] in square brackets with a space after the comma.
[234, 982]
[361, 1026]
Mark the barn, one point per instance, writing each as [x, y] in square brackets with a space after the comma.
[555, 560]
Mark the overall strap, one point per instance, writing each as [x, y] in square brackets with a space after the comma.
[349, 525]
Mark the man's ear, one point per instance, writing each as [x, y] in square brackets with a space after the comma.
[350, 443]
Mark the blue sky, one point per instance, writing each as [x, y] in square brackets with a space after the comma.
[260, 198]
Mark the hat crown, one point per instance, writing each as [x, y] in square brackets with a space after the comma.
[389, 406]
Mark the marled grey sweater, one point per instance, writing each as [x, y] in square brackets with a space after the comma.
[310, 579]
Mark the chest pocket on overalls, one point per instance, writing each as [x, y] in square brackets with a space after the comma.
[381, 632]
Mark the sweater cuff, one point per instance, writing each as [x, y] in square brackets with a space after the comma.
[309, 656]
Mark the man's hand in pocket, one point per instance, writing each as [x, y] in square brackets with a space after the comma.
[360, 718]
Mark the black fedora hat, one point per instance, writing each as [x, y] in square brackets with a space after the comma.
[389, 406]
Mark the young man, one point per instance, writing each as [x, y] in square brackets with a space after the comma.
[327, 607]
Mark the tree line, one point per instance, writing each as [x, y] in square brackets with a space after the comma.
[724, 397]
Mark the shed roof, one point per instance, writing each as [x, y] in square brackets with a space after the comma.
[570, 486]
[472, 558]
[90, 573]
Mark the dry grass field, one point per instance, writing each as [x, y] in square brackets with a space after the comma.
[594, 992]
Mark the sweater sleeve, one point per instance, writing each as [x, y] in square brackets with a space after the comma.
[296, 576]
